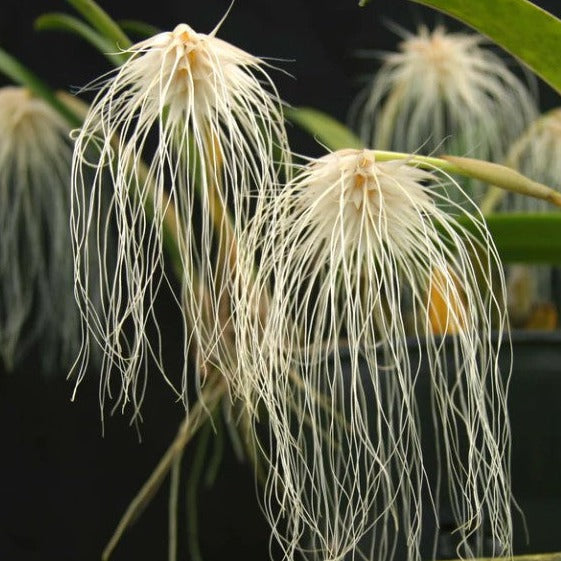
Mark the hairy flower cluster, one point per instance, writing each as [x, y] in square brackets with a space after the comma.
[444, 91]
[35, 259]
[304, 297]
[363, 276]
[183, 131]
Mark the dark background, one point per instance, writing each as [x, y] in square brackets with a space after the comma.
[62, 486]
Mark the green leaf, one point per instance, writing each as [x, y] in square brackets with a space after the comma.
[526, 31]
[363, 3]
[101, 21]
[70, 24]
[527, 238]
[325, 128]
[18, 73]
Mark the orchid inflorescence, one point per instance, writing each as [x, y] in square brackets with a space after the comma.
[35, 262]
[313, 293]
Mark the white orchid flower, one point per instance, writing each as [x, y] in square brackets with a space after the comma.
[365, 285]
[205, 117]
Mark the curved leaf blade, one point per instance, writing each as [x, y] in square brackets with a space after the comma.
[100, 20]
[69, 24]
[139, 28]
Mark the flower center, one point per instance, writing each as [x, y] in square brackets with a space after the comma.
[191, 69]
[436, 52]
[188, 49]
[189, 44]
[364, 186]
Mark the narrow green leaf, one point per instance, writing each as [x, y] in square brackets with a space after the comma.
[101, 21]
[70, 24]
[325, 128]
[520, 27]
[18, 73]
[139, 28]
[363, 3]
[527, 238]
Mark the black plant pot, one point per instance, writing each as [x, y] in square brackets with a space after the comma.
[535, 413]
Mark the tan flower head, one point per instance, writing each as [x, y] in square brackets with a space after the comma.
[366, 283]
[183, 129]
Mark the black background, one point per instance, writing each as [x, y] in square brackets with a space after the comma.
[62, 486]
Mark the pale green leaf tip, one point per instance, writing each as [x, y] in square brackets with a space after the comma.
[363, 3]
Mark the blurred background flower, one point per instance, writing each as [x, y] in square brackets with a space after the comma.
[443, 91]
[349, 250]
[534, 292]
[58, 502]
[36, 273]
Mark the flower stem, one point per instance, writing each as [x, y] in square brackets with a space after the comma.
[493, 174]
[208, 401]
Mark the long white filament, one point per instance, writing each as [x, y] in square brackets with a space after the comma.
[35, 261]
[351, 256]
[206, 119]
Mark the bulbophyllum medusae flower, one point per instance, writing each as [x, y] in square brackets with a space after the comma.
[36, 303]
[206, 119]
[365, 286]
[444, 91]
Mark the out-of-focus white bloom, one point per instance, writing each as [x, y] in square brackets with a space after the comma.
[349, 251]
[207, 121]
[35, 251]
[444, 91]
[537, 154]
